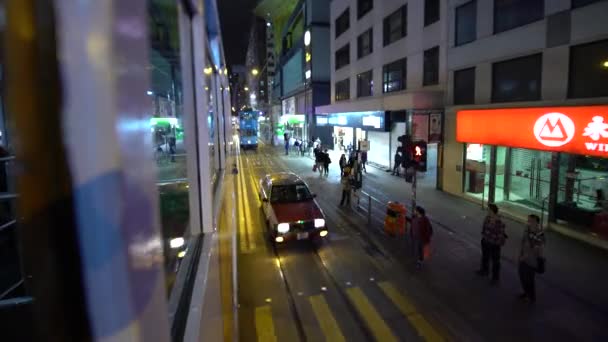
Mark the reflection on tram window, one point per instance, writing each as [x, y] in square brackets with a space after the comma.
[167, 129]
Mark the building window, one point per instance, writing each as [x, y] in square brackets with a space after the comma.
[589, 70]
[365, 84]
[581, 3]
[464, 86]
[395, 26]
[431, 12]
[431, 66]
[363, 7]
[342, 23]
[394, 76]
[466, 23]
[365, 44]
[517, 79]
[342, 90]
[343, 56]
[509, 14]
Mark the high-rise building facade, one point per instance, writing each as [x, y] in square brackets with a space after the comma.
[525, 117]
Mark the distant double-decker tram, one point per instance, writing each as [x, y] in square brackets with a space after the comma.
[248, 129]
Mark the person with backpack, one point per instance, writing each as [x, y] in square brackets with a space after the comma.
[421, 232]
[345, 181]
[531, 258]
[493, 237]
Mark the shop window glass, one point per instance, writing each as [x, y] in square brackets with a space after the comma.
[528, 176]
[343, 56]
[394, 76]
[477, 165]
[589, 70]
[167, 130]
[509, 14]
[464, 86]
[365, 44]
[365, 84]
[431, 66]
[466, 23]
[342, 23]
[582, 193]
[342, 90]
[517, 79]
[395, 26]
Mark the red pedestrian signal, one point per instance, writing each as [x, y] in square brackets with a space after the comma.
[419, 155]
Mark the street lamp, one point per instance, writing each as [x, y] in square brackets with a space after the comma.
[246, 88]
[254, 72]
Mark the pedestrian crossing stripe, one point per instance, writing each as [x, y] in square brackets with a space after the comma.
[374, 321]
[326, 320]
[264, 325]
[422, 326]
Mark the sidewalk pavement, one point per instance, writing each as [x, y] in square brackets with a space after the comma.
[572, 294]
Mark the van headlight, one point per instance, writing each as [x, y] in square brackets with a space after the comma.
[319, 223]
[283, 228]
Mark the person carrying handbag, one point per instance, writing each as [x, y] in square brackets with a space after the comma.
[421, 232]
[493, 237]
[531, 258]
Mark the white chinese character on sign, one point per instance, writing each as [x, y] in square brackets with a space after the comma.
[596, 129]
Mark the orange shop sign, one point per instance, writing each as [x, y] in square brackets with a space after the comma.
[577, 130]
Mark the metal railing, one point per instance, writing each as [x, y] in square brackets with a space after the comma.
[367, 207]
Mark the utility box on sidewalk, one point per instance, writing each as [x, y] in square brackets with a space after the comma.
[394, 222]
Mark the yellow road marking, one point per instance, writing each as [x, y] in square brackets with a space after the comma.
[243, 243]
[254, 187]
[248, 222]
[373, 319]
[422, 326]
[245, 196]
[264, 325]
[328, 323]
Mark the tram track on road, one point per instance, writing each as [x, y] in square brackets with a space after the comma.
[334, 285]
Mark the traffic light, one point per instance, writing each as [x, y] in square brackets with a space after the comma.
[419, 155]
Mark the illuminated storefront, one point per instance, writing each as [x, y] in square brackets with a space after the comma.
[545, 159]
[352, 127]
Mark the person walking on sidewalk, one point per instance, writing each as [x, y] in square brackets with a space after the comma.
[397, 163]
[493, 237]
[342, 163]
[531, 258]
[420, 233]
[363, 160]
[345, 181]
[326, 162]
[286, 140]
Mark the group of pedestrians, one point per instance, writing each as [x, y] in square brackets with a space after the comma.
[531, 260]
[351, 176]
[298, 145]
[322, 160]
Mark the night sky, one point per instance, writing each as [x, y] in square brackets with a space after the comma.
[235, 17]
